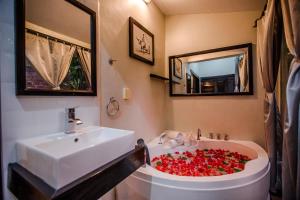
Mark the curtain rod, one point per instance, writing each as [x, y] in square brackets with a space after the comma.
[54, 38]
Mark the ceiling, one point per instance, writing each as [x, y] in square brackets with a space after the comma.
[177, 7]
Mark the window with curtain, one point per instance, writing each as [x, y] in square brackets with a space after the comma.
[76, 78]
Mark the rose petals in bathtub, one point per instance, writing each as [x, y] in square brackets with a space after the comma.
[207, 162]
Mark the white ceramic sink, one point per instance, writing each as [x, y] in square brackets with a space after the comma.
[61, 158]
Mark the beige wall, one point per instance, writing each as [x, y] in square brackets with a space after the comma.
[145, 111]
[150, 110]
[240, 117]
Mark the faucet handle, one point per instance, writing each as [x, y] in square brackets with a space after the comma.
[199, 134]
[226, 137]
[71, 112]
[72, 109]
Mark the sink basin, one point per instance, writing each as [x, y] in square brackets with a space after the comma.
[61, 158]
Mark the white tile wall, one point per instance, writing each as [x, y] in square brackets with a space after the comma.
[26, 116]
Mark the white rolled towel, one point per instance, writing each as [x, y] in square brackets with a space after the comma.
[172, 143]
[175, 135]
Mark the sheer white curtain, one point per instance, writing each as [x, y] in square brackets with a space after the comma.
[236, 75]
[268, 46]
[51, 59]
[243, 74]
[291, 136]
[85, 58]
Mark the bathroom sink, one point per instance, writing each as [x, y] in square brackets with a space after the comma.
[61, 158]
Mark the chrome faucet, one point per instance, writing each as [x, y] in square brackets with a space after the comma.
[199, 134]
[71, 121]
[226, 137]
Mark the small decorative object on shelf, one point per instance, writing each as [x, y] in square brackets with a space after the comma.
[112, 107]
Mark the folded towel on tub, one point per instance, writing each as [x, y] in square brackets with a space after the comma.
[173, 134]
[173, 138]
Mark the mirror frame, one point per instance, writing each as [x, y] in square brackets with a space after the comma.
[247, 45]
[20, 54]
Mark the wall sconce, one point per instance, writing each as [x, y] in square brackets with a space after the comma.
[147, 1]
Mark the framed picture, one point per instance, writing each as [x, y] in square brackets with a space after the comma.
[177, 64]
[141, 42]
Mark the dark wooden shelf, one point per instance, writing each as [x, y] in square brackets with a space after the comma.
[25, 185]
[162, 78]
[158, 77]
[176, 82]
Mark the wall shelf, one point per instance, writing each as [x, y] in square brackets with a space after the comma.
[162, 78]
[25, 185]
[158, 77]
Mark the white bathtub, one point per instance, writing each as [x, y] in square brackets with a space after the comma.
[250, 184]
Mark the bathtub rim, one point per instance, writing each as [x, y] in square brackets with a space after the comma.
[253, 170]
[245, 184]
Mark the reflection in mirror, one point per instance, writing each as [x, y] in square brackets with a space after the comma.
[225, 71]
[59, 48]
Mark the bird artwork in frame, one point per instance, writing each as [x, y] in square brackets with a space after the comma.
[141, 42]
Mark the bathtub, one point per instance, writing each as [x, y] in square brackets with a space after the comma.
[252, 183]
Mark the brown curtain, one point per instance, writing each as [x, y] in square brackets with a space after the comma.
[291, 137]
[268, 50]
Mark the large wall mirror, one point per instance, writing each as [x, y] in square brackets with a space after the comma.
[222, 71]
[55, 48]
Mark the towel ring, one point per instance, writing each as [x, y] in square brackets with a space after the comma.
[112, 107]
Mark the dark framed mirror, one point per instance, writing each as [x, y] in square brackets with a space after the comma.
[55, 48]
[213, 72]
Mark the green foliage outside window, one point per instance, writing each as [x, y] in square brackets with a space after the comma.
[76, 78]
